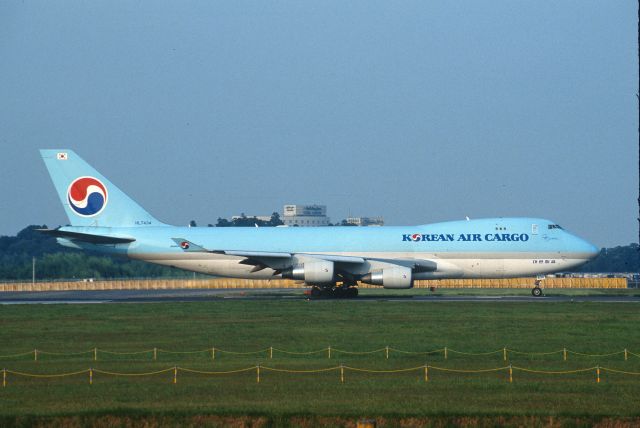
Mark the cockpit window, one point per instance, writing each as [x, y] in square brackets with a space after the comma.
[555, 226]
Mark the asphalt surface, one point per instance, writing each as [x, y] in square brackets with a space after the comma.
[190, 295]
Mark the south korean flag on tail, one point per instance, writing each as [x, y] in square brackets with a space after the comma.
[62, 156]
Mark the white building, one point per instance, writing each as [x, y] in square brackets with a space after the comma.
[366, 221]
[305, 215]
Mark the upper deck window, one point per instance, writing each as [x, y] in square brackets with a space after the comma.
[555, 226]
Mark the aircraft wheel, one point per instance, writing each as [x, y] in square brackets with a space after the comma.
[536, 292]
[340, 293]
[352, 292]
[327, 292]
[315, 292]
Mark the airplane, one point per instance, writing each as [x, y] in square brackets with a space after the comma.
[332, 260]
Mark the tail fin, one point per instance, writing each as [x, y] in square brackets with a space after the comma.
[89, 198]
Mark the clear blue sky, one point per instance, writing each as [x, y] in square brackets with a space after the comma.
[418, 111]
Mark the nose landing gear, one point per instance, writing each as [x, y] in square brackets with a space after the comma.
[537, 291]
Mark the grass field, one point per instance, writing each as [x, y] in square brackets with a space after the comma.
[300, 325]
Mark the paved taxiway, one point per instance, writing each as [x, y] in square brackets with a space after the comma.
[190, 295]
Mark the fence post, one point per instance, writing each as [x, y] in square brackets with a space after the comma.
[213, 353]
[510, 374]
[564, 354]
[155, 353]
[426, 373]
[258, 373]
[329, 350]
[271, 352]
[341, 373]
[598, 374]
[175, 375]
[90, 376]
[35, 355]
[445, 352]
[387, 351]
[95, 354]
[4, 377]
[625, 354]
[504, 353]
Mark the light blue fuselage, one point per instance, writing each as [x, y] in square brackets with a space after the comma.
[485, 248]
[103, 218]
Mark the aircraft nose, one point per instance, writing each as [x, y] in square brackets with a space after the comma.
[585, 249]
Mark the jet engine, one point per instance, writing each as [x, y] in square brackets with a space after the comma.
[390, 277]
[312, 272]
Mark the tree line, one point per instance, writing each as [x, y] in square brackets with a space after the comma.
[54, 261]
[244, 221]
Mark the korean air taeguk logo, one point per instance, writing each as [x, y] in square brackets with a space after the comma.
[87, 196]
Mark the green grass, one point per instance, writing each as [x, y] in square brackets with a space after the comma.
[449, 292]
[299, 325]
[522, 292]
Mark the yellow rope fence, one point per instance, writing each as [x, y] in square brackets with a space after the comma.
[341, 368]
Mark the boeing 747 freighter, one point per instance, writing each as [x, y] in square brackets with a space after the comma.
[332, 260]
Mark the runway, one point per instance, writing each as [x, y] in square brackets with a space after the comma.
[204, 295]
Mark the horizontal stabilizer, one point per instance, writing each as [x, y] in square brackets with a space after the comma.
[86, 237]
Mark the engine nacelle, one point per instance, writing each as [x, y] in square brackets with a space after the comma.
[391, 277]
[312, 272]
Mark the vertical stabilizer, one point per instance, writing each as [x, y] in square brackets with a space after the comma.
[89, 198]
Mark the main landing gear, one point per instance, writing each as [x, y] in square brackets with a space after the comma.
[334, 292]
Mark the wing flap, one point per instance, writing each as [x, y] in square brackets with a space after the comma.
[417, 265]
[258, 254]
[335, 258]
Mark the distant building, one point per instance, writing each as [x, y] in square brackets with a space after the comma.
[366, 221]
[305, 215]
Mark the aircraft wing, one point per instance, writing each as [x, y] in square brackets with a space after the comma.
[189, 246]
[263, 257]
[87, 237]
